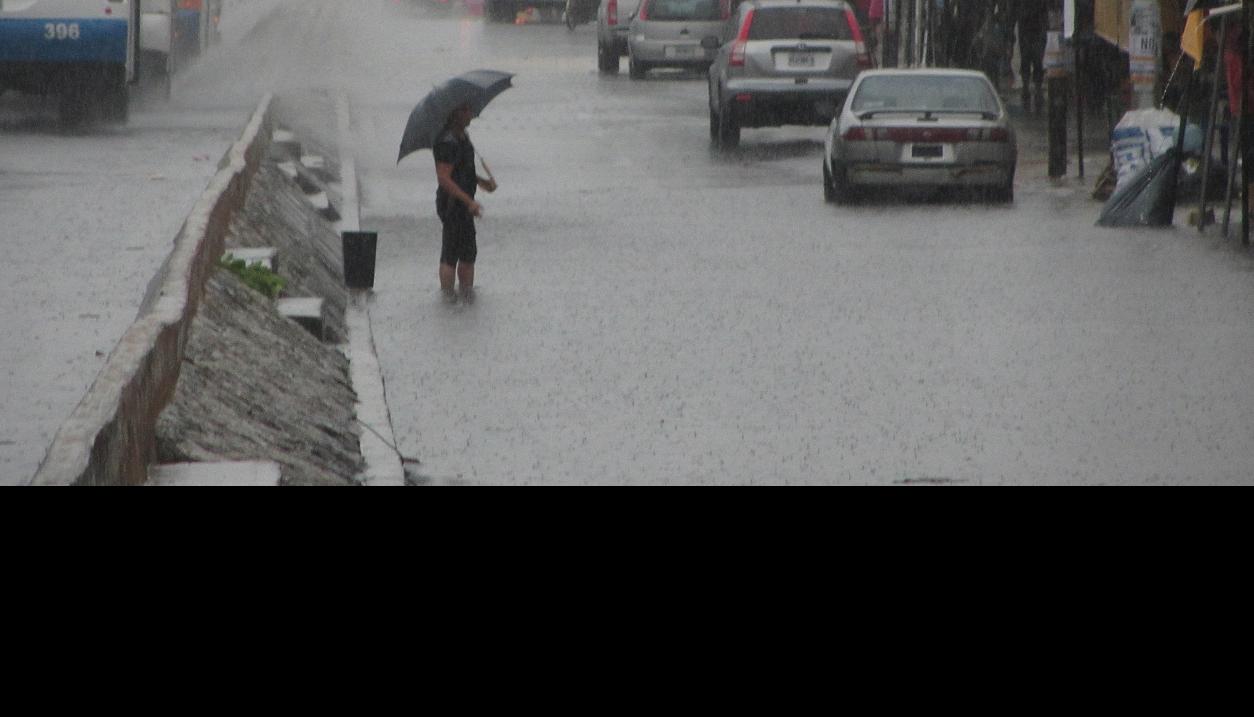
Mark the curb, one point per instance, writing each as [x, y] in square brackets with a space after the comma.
[384, 466]
[110, 437]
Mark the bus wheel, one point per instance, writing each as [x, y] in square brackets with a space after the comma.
[115, 104]
[72, 106]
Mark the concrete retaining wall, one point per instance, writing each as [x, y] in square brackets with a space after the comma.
[110, 438]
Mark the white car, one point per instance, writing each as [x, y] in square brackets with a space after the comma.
[931, 128]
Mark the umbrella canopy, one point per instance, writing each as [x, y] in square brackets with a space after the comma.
[430, 117]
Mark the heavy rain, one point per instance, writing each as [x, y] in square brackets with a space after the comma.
[654, 304]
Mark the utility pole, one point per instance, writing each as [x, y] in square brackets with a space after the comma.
[1145, 51]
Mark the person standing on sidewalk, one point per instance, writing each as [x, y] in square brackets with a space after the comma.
[1032, 20]
[456, 206]
[990, 43]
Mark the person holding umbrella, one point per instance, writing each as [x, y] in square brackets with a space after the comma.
[455, 203]
[439, 122]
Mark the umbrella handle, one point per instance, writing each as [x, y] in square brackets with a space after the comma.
[486, 168]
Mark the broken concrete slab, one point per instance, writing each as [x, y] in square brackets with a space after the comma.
[212, 475]
[263, 256]
[309, 312]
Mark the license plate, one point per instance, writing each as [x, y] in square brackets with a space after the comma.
[801, 59]
[927, 151]
[681, 52]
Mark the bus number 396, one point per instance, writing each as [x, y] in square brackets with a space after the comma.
[61, 31]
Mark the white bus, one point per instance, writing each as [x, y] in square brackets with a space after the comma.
[83, 51]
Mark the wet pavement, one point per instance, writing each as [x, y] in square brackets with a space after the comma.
[651, 311]
[87, 216]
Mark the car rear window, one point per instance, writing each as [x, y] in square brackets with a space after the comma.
[800, 23]
[929, 93]
[683, 10]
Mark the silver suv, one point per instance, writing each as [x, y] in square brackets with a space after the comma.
[783, 62]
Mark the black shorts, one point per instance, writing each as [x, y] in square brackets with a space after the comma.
[459, 239]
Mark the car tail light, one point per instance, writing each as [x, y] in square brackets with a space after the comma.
[611, 13]
[856, 134]
[859, 42]
[917, 135]
[737, 58]
[643, 12]
[997, 134]
[725, 9]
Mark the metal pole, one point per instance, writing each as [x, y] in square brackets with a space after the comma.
[918, 33]
[890, 42]
[1079, 104]
[1059, 100]
[1247, 122]
[1233, 154]
[1212, 118]
[1185, 104]
[907, 24]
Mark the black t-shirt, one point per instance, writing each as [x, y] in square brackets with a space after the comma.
[461, 154]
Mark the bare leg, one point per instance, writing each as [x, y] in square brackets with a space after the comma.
[466, 275]
[446, 280]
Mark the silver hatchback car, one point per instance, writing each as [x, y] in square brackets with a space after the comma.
[937, 128]
[783, 62]
[668, 33]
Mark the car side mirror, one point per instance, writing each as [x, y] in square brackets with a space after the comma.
[711, 43]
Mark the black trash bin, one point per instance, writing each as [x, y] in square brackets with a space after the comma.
[359, 251]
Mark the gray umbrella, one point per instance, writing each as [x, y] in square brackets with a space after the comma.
[430, 117]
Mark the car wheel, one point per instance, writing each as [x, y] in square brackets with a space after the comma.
[835, 184]
[728, 131]
[637, 70]
[607, 60]
[1004, 194]
[72, 106]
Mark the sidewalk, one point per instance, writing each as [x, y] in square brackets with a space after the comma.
[1033, 134]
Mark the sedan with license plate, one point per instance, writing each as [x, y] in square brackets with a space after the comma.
[921, 128]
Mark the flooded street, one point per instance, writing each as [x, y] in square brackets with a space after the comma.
[650, 310]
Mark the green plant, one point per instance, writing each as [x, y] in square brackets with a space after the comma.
[256, 276]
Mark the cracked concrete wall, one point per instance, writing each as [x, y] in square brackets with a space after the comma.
[256, 386]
